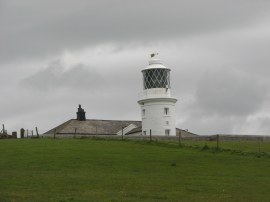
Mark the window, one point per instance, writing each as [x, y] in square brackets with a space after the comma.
[143, 112]
[167, 122]
[167, 132]
[166, 111]
[156, 78]
[144, 132]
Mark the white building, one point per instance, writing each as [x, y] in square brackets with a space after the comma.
[156, 101]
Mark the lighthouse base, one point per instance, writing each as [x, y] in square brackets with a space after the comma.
[158, 116]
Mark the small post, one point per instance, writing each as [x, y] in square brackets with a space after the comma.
[4, 131]
[150, 135]
[27, 133]
[179, 138]
[32, 132]
[259, 145]
[22, 133]
[75, 132]
[217, 142]
[54, 133]
[122, 133]
[14, 134]
[37, 132]
[96, 130]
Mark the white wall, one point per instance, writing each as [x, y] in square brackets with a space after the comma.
[155, 119]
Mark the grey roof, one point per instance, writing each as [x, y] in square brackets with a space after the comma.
[185, 133]
[92, 127]
[135, 130]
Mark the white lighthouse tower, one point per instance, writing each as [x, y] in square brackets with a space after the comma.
[156, 100]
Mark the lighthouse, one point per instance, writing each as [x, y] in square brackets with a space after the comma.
[156, 100]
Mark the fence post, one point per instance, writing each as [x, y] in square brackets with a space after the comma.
[4, 131]
[179, 138]
[37, 132]
[27, 132]
[54, 133]
[122, 133]
[259, 145]
[217, 142]
[32, 132]
[22, 133]
[14, 134]
[150, 135]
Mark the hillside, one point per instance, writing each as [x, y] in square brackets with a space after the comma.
[114, 170]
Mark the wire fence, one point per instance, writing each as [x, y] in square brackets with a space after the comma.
[235, 146]
[257, 145]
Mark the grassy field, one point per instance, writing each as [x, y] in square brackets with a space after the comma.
[114, 170]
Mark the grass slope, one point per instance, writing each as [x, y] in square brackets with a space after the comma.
[112, 170]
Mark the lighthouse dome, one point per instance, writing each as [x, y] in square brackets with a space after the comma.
[156, 75]
[155, 63]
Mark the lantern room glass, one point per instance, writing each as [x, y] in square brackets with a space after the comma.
[156, 78]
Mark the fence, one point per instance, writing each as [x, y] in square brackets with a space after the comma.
[230, 143]
[23, 133]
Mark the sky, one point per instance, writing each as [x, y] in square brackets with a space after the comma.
[57, 54]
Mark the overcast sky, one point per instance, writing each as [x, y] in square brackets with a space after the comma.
[56, 54]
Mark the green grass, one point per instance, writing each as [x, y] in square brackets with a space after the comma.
[114, 170]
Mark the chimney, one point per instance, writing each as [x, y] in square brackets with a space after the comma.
[81, 114]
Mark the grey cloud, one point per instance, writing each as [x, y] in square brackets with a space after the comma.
[264, 124]
[36, 29]
[55, 76]
[229, 92]
[212, 124]
[223, 100]
[111, 95]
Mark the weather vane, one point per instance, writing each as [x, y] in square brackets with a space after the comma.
[153, 55]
